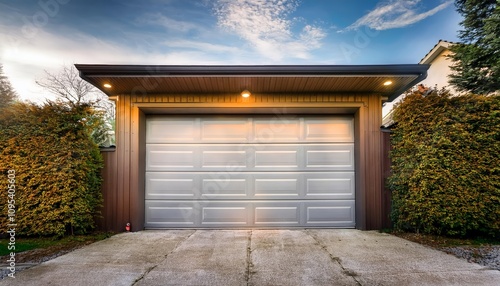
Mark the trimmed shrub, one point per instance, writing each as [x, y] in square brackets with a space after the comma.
[57, 168]
[446, 164]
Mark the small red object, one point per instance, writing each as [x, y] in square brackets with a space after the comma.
[127, 227]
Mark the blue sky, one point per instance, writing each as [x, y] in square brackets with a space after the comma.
[46, 34]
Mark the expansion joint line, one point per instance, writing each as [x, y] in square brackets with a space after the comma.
[165, 258]
[249, 258]
[333, 258]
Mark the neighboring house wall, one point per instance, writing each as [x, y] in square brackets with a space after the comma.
[437, 74]
[125, 194]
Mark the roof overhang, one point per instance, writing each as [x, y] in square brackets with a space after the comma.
[291, 79]
[436, 51]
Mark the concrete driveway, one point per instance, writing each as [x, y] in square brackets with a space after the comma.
[255, 257]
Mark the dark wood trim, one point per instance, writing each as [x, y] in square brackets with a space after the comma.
[125, 168]
[373, 188]
[138, 167]
[359, 153]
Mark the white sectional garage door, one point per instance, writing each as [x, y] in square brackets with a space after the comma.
[252, 171]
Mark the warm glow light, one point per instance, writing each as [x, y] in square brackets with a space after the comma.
[387, 83]
[107, 85]
[245, 93]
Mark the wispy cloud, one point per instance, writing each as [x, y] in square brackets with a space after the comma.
[264, 24]
[201, 46]
[396, 14]
[168, 23]
[25, 59]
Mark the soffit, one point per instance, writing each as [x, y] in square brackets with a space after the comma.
[154, 80]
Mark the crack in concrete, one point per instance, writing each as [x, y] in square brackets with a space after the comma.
[149, 269]
[144, 274]
[249, 258]
[334, 259]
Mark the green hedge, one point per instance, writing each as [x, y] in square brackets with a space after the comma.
[446, 164]
[57, 168]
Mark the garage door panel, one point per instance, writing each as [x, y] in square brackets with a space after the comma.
[278, 214]
[228, 188]
[277, 158]
[250, 157]
[277, 130]
[174, 214]
[175, 130]
[327, 213]
[224, 159]
[333, 157]
[169, 186]
[281, 186]
[250, 186]
[224, 214]
[339, 213]
[227, 130]
[329, 130]
[262, 129]
[339, 185]
[175, 159]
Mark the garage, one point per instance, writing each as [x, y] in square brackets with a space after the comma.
[246, 146]
[249, 171]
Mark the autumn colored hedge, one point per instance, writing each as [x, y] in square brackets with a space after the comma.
[57, 168]
[446, 164]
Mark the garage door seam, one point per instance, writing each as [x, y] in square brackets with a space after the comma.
[334, 259]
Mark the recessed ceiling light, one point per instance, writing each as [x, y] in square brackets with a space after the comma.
[245, 93]
[107, 85]
[387, 83]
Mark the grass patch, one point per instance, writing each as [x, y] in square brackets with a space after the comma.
[30, 243]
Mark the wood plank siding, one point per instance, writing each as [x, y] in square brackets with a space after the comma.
[107, 220]
[124, 171]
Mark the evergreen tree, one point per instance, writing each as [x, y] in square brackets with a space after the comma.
[477, 59]
[7, 93]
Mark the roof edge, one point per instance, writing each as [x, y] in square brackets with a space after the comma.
[90, 70]
[403, 89]
[436, 50]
